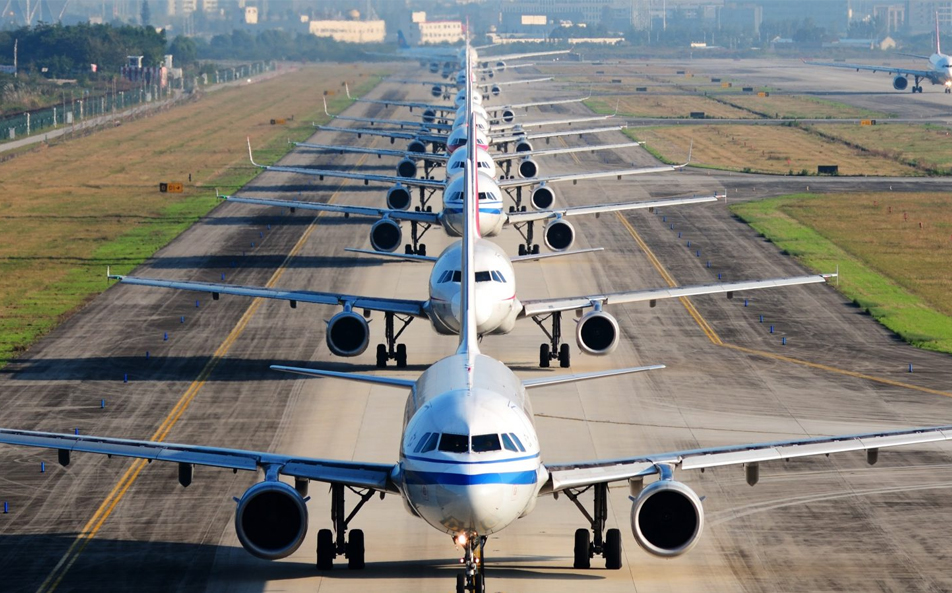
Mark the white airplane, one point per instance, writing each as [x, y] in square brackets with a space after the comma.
[469, 463]
[442, 89]
[939, 71]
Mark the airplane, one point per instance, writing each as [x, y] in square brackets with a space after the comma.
[939, 70]
[442, 89]
[469, 462]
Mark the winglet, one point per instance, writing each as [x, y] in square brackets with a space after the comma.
[325, 106]
[617, 102]
[347, 90]
[111, 276]
[251, 157]
[687, 162]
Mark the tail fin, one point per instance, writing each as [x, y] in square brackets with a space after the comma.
[468, 339]
[401, 40]
[938, 46]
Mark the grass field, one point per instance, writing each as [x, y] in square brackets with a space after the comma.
[71, 209]
[675, 106]
[763, 149]
[889, 266]
[798, 107]
[926, 145]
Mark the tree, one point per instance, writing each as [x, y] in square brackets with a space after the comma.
[183, 50]
[146, 13]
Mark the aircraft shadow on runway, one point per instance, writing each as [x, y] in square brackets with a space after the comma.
[216, 263]
[328, 185]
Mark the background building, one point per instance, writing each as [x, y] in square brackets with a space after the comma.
[352, 30]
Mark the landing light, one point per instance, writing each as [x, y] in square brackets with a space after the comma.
[461, 539]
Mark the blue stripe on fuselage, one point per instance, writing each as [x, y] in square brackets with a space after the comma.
[456, 462]
[448, 479]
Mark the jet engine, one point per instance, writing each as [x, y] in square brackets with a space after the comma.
[436, 90]
[347, 334]
[386, 235]
[559, 235]
[271, 520]
[597, 333]
[900, 83]
[542, 198]
[416, 146]
[398, 196]
[667, 518]
[434, 67]
[495, 90]
[523, 145]
[528, 168]
[501, 66]
[406, 168]
[429, 116]
[508, 115]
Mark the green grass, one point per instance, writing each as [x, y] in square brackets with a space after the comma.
[908, 315]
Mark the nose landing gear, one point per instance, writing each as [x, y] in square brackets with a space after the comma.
[473, 580]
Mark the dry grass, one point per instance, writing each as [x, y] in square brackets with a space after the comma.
[929, 146]
[764, 149]
[797, 107]
[674, 106]
[72, 209]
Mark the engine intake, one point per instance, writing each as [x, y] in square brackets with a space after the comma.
[271, 520]
[495, 90]
[347, 334]
[900, 83]
[559, 235]
[508, 115]
[406, 168]
[417, 145]
[528, 168]
[523, 145]
[542, 198]
[437, 90]
[398, 197]
[501, 65]
[667, 518]
[597, 333]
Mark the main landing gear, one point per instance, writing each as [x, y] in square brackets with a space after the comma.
[391, 350]
[604, 543]
[352, 548]
[474, 579]
[527, 230]
[415, 247]
[917, 88]
[555, 349]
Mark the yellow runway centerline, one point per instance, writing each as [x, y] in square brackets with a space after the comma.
[105, 509]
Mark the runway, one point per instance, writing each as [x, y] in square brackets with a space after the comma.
[831, 524]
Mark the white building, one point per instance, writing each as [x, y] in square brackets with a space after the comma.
[424, 32]
[350, 31]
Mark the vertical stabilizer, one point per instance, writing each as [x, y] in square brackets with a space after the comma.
[938, 46]
[468, 342]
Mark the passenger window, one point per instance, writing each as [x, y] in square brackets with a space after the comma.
[454, 443]
[422, 442]
[508, 444]
[431, 443]
[485, 442]
[518, 442]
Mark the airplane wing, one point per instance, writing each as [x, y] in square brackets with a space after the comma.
[567, 150]
[539, 103]
[927, 74]
[425, 137]
[385, 305]
[533, 308]
[411, 105]
[619, 173]
[425, 217]
[352, 473]
[552, 122]
[539, 135]
[515, 259]
[374, 121]
[436, 157]
[321, 173]
[519, 217]
[486, 85]
[490, 59]
[586, 473]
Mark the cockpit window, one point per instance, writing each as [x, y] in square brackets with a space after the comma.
[485, 195]
[430, 443]
[508, 444]
[422, 442]
[456, 197]
[485, 442]
[483, 277]
[457, 276]
[454, 443]
[518, 442]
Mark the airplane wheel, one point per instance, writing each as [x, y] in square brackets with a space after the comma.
[583, 557]
[479, 584]
[613, 549]
[522, 250]
[421, 250]
[544, 356]
[535, 250]
[408, 249]
[460, 583]
[523, 209]
[381, 356]
[401, 356]
[565, 356]
[325, 549]
[355, 550]
[429, 208]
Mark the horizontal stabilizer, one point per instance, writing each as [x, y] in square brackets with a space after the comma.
[391, 381]
[403, 256]
[543, 381]
[537, 256]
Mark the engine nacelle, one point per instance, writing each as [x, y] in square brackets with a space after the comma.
[495, 90]
[429, 116]
[900, 83]
[667, 518]
[407, 168]
[398, 197]
[271, 520]
[501, 65]
[508, 115]
[528, 168]
[436, 90]
[523, 145]
[597, 333]
[348, 334]
[542, 198]
[559, 235]
[386, 235]
[434, 67]
[417, 146]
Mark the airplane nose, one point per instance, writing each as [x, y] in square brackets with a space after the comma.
[483, 309]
